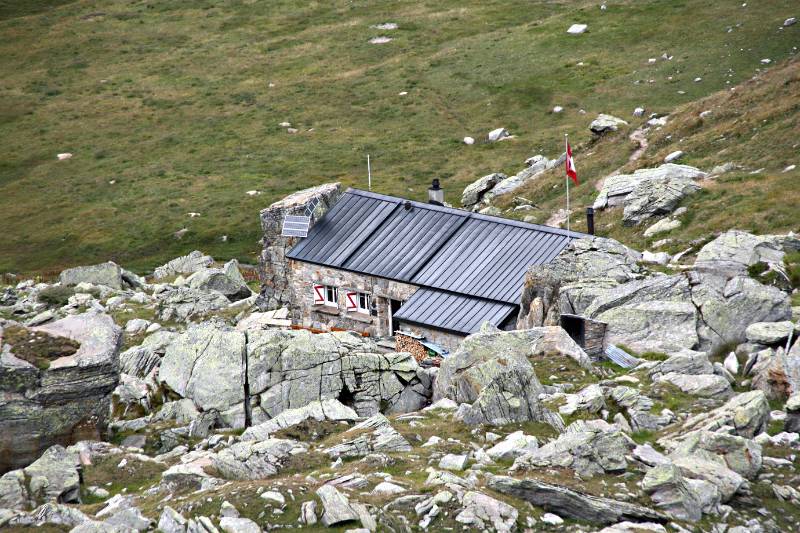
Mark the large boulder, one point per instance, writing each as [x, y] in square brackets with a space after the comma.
[320, 411]
[51, 478]
[606, 123]
[61, 400]
[373, 435]
[570, 504]
[106, 274]
[227, 280]
[588, 449]
[492, 372]
[474, 192]
[735, 251]
[585, 267]
[739, 454]
[256, 460]
[727, 306]
[617, 188]
[185, 303]
[658, 197]
[776, 372]
[187, 264]
[275, 286]
[672, 493]
[206, 365]
[745, 415]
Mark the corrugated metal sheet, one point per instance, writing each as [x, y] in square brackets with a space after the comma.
[453, 312]
[430, 246]
[621, 357]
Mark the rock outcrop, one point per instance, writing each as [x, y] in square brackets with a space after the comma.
[212, 363]
[62, 400]
[492, 373]
[187, 264]
[53, 478]
[698, 309]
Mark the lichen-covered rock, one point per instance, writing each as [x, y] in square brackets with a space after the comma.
[588, 451]
[735, 250]
[66, 402]
[187, 264]
[739, 454]
[706, 385]
[606, 123]
[51, 478]
[491, 371]
[319, 410]
[746, 415]
[485, 513]
[655, 198]
[227, 280]
[473, 193]
[776, 372]
[374, 435]
[255, 460]
[206, 365]
[570, 504]
[617, 188]
[671, 493]
[184, 303]
[769, 333]
[286, 370]
[106, 274]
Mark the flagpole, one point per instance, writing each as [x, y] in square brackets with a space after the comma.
[566, 176]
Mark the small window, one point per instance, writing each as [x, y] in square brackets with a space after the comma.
[363, 303]
[326, 295]
[358, 302]
[331, 296]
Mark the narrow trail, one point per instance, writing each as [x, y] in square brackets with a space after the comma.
[639, 137]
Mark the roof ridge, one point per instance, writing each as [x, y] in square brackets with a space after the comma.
[469, 214]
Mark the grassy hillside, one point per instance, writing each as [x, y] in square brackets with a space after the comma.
[755, 126]
[179, 104]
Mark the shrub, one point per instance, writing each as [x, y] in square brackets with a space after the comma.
[56, 296]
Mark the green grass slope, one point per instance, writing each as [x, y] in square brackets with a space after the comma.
[754, 126]
[179, 103]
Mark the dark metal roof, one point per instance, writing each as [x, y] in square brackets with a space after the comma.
[453, 312]
[431, 246]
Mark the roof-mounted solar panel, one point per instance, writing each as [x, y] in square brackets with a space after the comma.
[295, 226]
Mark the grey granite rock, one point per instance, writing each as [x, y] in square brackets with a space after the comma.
[64, 403]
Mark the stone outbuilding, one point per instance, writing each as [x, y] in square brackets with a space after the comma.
[378, 264]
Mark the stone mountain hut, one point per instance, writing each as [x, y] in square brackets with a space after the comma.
[382, 265]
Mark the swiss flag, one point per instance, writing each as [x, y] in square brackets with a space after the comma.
[570, 165]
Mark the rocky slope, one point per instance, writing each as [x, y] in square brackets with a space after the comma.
[209, 415]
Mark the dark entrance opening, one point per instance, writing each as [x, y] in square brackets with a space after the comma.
[395, 307]
[575, 327]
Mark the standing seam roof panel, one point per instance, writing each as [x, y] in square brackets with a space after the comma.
[464, 314]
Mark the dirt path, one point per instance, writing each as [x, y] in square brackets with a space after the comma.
[639, 137]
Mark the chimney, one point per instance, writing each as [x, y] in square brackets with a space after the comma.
[435, 193]
[590, 220]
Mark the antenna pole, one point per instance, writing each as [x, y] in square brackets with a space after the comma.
[369, 174]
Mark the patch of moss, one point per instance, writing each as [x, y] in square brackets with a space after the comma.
[38, 348]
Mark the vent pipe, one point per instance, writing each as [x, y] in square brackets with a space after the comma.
[590, 220]
[435, 193]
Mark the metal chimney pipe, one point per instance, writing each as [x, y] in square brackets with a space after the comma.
[590, 220]
[435, 193]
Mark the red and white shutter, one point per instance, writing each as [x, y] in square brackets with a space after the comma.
[319, 294]
[352, 301]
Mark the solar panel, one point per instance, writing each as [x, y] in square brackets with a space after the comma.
[295, 226]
